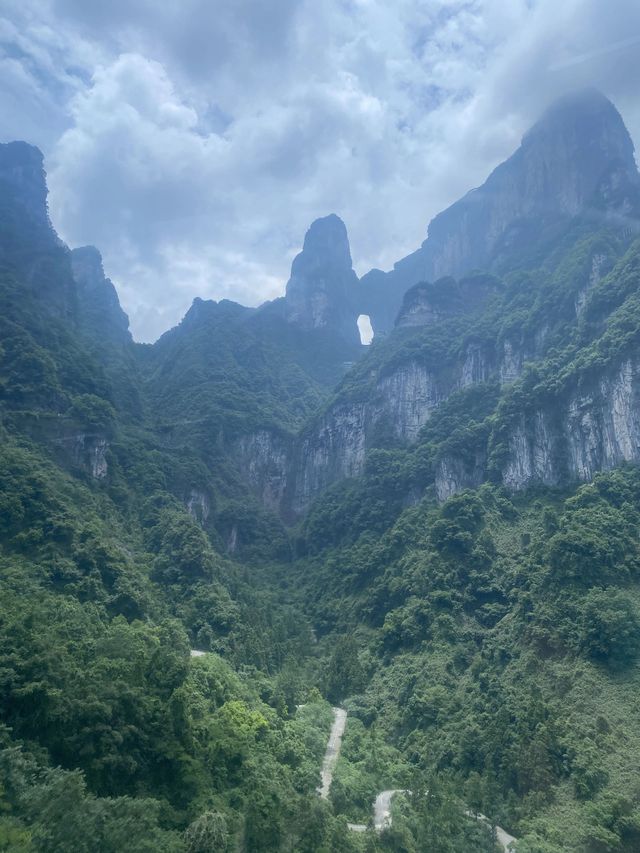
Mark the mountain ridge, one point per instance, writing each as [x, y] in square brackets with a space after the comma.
[475, 231]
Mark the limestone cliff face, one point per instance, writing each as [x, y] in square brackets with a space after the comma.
[86, 451]
[335, 447]
[577, 153]
[70, 284]
[578, 159]
[90, 452]
[99, 307]
[198, 506]
[263, 458]
[593, 431]
[574, 172]
[28, 243]
[401, 400]
[453, 475]
[323, 285]
[426, 303]
[568, 440]
[22, 178]
[288, 474]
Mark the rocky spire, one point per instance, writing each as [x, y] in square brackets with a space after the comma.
[22, 177]
[320, 293]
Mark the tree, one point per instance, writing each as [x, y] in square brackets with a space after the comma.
[610, 627]
[344, 672]
[208, 834]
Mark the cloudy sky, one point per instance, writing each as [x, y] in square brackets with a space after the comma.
[194, 141]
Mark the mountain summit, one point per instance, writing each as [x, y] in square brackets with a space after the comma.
[22, 178]
[322, 287]
[577, 159]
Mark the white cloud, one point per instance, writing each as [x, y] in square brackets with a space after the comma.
[193, 143]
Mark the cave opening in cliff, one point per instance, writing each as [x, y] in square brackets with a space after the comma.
[366, 329]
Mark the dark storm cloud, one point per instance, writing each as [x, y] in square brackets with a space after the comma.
[194, 142]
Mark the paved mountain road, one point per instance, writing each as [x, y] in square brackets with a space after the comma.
[382, 809]
[382, 804]
[333, 751]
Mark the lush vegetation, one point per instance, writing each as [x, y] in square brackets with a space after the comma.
[486, 647]
[497, 643]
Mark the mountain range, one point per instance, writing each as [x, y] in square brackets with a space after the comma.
[440, 529]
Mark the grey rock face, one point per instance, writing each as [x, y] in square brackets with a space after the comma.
[425, 303]
[600, 265]
[532, 454]
[100, 311]
[578, 158]
[452, 475]
[578, 147]
[263, 459]
[590, 432]
[421, 306]
[334, 449]
[571, 441]
[90, 452]
[322, 289]
[22, 175]
[511, 362]
[476, 366]
[593, 431]
[407, 398]
[28, 242]
[76, 287]
[198, 506]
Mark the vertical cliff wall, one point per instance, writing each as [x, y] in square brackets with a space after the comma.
[579, 157]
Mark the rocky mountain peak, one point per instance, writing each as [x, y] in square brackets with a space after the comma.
[579, 141]
[579, 146]
[326, 248]
[204, 312]
[322, 287]
[100, 309]
[87, 264]
[22, 175]
[588, 120]
[578, 159]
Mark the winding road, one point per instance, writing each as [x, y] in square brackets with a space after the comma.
[382, 804]
[332, 752]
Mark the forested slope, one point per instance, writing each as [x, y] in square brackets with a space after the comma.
[113, 738]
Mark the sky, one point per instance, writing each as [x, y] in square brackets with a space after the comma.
[194, 142]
